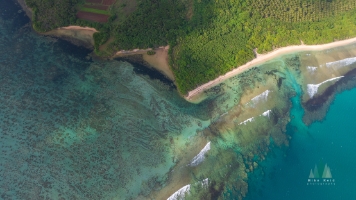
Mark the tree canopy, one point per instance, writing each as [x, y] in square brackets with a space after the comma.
[209, 38]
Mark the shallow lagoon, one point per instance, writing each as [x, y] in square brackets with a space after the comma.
[75, 128]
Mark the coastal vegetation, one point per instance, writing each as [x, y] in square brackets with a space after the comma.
[207, 38]
[48, 15]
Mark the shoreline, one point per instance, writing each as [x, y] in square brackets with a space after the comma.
[24, 7]
[158, 61]
[263, 58]
[82, 36]
[78, 35]
[78, 28]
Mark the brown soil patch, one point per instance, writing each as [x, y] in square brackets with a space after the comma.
[108, 2]
[92, 16]
[130, 6]
[94, 1]
[105, 46]
[190, 9]
[99, 7]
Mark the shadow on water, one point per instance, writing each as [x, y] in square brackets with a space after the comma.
[10, 10]
[74, 50]
[141, 69]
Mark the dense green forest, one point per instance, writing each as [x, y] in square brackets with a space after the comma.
[50, 14]
[209, 38]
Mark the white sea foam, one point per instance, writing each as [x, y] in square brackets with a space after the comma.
[313, 88]
[266, 114]
[205, 182]
[247, 120]
[341, 63]
[223, 114]
[179, 194]
[201, 155]
[261, 97]
[311, 69]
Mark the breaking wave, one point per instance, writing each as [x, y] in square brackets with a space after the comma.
[313, 88]
[247, 120]
[179, 194]
[266, 114]
[261, 97]
[341, 63]
[201, 155]
[311, 69]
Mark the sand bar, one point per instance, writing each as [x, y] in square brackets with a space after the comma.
[263, 58]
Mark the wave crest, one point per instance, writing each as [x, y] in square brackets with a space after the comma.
[313, 88]
[201, 156]
[341, 63]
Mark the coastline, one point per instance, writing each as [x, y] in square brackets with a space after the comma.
[27, 10]
[158, 61]
[83, 36]
[78, 35]
[263, 58]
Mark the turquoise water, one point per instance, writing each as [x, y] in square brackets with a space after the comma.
[330, 141]
[76, 128]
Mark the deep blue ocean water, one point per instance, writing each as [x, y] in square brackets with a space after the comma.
[331, 141]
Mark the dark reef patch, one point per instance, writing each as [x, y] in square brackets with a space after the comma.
[318, 102]
[74, 49]
[143, 68]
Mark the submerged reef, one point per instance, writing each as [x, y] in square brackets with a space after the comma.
[333, 72]
[75, 128]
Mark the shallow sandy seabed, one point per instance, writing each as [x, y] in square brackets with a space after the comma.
[251, 111]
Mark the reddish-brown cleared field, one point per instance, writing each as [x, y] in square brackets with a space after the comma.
[92, 16]
[94, 1]
[108, 2]
[99, 7]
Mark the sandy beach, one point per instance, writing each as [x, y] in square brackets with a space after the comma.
[76, 34]
[263, 58]
[78, 28]
[158, 61]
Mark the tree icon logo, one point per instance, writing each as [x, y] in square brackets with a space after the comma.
[320, 175]
[317, 173]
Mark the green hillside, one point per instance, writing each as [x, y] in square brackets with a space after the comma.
[209, 38]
